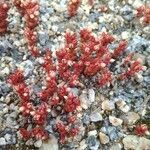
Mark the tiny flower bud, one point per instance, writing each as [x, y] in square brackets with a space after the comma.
[32, 16]
[103, 65]
[112, 60]
[32, 113]
[22, 108]
[25, 94]
[48, 110]
[65, 97]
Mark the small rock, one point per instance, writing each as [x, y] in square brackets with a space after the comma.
[54, 28]
[27, 66]
[108, 105]
[83, 145]
[92, 133]
[2, 106]
[43, 38]
[127, 13]
[51, 144]
[75, 91]
[86, 9]
[122, 106]
[91, 94]
[87, 98]
[5, 110]
[94, 16]
[104, 130]
[138, 44]
[139, 78]
[84, 104]
[125, 35]
[43, 19]
[115, 121]
[2, 141]
[57, 7]
[136, 143]
[8, 137]
[1, 49]
[125, 108]
[117, 146]
[148, 61]
[38, 143]
[104, 139]
[111, 5]
[10, 122]
[50, 10]
[137, 4]
[84, 100]
[29, 142]
[40, 60]
[111, 132]
[7, 99]
[113, 136]
[146, 30]
[93, 25]
[5, 71]
[49, 128]
[92, 142]
[95, 117]
[131, 118]
[86, 119]
[5, 88]
[6, 44]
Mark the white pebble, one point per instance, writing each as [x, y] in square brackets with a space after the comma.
[91, 93]
[38, 143]
[125, 35]
[115, 121]
[2, 141]
[108, 105]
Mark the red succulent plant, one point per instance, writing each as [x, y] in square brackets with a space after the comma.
[3, 16]
[73, 6]
[141, 130]
[87, 57]
[30, 11]
[144, 11]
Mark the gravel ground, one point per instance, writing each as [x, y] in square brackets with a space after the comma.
[110, 113]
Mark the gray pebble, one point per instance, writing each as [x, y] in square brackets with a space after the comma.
[50, 10]
[138, 44]
[95, 117]
[1, 49]
[91, 95]
[93, 143]
[43, 38]
[8, 138]
[2, 141]
[38, 143]
[127, 13]
[86, 119]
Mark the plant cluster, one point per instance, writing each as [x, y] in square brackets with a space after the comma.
[141, 130]
[39, 114]
[144, 12]
[73, 6]
[3, 16]
[29, 9]
[85, 57]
